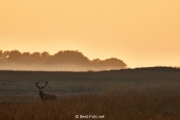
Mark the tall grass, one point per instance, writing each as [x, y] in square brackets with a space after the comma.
[114, 105]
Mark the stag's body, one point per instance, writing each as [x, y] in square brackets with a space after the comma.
[44, 96]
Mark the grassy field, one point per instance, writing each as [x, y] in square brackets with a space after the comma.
[139, 94]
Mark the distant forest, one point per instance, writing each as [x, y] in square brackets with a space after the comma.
[61, 61]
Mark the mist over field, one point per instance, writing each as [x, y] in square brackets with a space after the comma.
[61, 61]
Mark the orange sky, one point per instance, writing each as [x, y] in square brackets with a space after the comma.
[140, 32]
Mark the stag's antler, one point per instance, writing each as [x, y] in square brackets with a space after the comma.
[41, 86]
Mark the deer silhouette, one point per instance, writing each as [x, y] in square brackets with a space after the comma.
[44, 96]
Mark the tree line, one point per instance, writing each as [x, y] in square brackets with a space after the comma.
[59, 61]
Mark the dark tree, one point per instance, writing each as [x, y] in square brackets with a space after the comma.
[35, 57]
[1, 52]
[14, 56]
[5, 55]
[73, 57]
[45, 56]
[63, 60]
[113, 63]
[25, 57]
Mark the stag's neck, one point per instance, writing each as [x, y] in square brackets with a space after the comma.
[41, 94]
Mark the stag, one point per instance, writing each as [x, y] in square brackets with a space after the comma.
[44, 96]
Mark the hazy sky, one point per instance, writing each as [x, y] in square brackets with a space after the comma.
[139, 32]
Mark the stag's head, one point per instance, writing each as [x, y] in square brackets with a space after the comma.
[40, 87]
